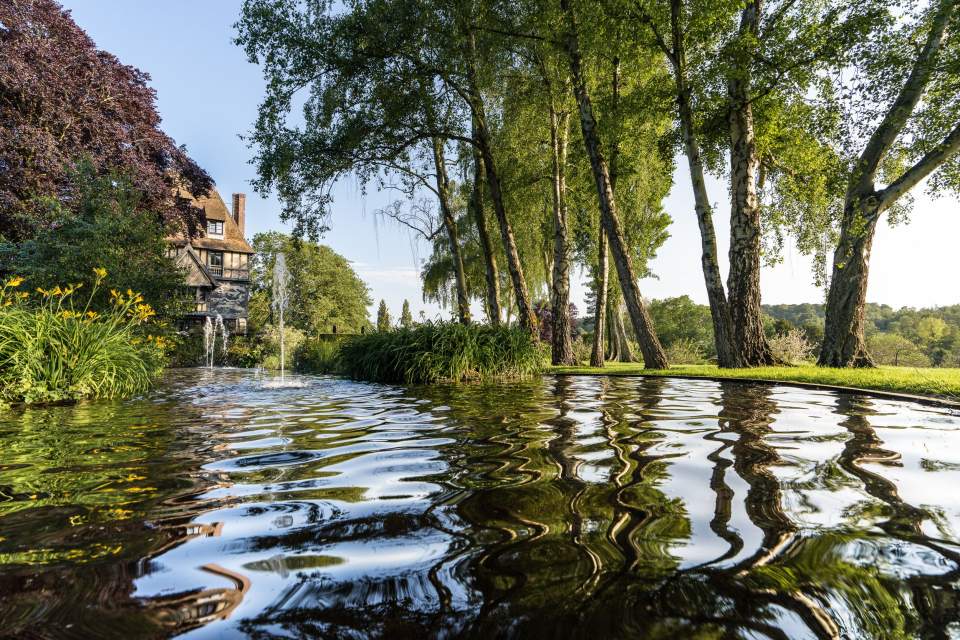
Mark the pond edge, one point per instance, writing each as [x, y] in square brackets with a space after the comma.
[935, 401]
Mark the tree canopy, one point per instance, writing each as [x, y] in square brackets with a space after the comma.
[324, 290]
[565, 121]
[64, 102]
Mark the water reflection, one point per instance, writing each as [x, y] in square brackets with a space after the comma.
[222, 505]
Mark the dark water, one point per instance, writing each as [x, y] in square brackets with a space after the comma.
[220, 507]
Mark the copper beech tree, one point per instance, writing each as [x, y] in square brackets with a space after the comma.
[62, 102]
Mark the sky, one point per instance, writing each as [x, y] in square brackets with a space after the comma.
[208, 94]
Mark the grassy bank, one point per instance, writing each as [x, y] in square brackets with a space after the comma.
[941, 383]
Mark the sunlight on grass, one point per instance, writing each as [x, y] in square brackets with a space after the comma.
[944, 383]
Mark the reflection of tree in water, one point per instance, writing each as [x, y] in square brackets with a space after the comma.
[551, 515]
[558, 577]
[580, 550]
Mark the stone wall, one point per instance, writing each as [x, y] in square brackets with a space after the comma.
[230, 300]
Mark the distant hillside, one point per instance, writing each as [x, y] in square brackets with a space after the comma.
[882, 316]
[895, 336]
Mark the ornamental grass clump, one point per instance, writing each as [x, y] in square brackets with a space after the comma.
[53, 349]
[442, 352]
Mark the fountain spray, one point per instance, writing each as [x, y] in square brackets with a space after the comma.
[210, 329]
[281, 296]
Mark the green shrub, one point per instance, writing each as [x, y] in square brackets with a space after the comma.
[51, 350]
[443, 351]
[792, 347]
[246, 351]
[685, 351]
[187, 351]
[270, 338]
[317, 355]
[582, 348]
[106, 226]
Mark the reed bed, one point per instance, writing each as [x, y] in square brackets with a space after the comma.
[442, 352]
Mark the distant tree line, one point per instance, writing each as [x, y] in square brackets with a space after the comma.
[902, 337]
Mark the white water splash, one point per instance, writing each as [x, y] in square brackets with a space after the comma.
[210, 329]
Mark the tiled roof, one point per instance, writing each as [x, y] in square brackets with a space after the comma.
[214, 209]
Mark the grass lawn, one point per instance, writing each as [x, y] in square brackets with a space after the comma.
[941, 383]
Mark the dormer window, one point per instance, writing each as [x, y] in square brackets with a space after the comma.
[215, 228]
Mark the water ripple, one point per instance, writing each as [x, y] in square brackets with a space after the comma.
[227, 503]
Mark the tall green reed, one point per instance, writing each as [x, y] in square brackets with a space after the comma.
[443, 351]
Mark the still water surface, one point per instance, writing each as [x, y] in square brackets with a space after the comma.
[223, 505]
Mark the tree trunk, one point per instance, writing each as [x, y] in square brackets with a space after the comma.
[743, 279]
[843, 341]
[613, 340]
[716, 295]
[626, 351]
[489, 257]
[653, 354]
[450, 224]
[562, 348]
[524, 308]
[600, 311]
[619, 344]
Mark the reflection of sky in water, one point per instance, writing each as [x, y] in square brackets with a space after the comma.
[327, 506]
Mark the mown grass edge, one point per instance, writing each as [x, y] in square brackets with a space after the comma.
[929, 386]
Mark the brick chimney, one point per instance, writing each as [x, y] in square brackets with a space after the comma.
[239, 210]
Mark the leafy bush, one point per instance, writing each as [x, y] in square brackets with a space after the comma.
[317, 355]
[292, 338]
[582, 346]
[685, 351]
[52, 350]
[187, 350]
[246, 351]
[896, 350]
[442, 351]
[792, 347]
[108, 227]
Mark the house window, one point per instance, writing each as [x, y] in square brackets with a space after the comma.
[200, 305]
[215, 262]
[215, 228]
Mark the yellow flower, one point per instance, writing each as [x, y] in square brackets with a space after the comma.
[100, 272]
[92, 315]
[42, 291]
[143, 311]
[15, 281]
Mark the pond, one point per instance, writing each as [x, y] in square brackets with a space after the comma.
[226, 505]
